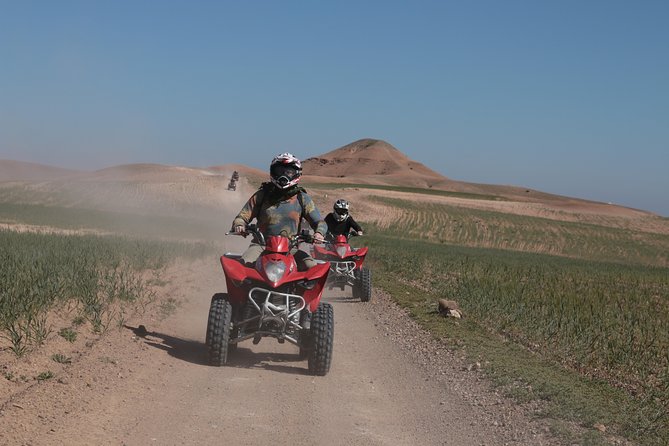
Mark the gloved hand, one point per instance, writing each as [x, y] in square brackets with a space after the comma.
[318, 237]
[359, 232]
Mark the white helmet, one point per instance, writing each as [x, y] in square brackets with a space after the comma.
[340, 210]
[285, 170]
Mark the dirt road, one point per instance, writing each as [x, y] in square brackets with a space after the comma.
[384, 388]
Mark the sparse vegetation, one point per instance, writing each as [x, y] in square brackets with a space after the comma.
[68, 334]
[61, 358]
[44, 376]
[168, 307]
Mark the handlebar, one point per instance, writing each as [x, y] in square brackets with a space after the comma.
[259, 237]
[331, 237]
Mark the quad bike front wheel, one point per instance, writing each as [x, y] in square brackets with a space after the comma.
[218, 329]
[363, 287]
[322, 340]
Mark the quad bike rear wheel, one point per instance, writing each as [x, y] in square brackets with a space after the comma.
[322, 340]
[218, 329]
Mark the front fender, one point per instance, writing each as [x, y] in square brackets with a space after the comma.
[313, 296]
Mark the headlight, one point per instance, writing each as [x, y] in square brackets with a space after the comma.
[341, 251]
[275, 271]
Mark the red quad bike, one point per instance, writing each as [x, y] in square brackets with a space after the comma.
[272, 299]
[346, 267]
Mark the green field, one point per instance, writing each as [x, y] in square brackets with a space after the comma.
[92, 273]
[437, 192]
[573, 315]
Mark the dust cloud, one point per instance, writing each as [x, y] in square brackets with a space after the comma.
[138, 200]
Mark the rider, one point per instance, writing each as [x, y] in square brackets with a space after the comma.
[340, 222]
[279, 207]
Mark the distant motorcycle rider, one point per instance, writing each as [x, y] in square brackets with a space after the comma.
[279, 207]
[340, 221]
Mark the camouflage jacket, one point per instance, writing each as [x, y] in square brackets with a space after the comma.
[281, 212]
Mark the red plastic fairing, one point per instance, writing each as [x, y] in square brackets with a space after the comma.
[235, 273]
[361, 253]
[277, 244]
[321, 249]
[319, 272]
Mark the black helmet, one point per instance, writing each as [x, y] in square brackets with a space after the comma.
[285, 170]
[340, 210]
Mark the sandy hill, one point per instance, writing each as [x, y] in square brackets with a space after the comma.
[244, 171]
[11, 170]
[367, 157]
[373, 161]
[148, 173]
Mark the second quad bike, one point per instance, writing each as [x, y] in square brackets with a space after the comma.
[346, 267]
[272, 298]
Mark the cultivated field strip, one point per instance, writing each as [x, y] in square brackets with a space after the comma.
[486, 229]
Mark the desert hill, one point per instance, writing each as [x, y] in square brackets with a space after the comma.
[371, 158]
[147, 172]
[227, 169]
[11, 170]
[376, 162]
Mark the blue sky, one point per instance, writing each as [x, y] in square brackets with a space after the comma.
[568, 97]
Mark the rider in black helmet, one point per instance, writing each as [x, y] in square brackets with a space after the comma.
[340, 222]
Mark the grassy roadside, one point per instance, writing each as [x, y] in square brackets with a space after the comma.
[97, 275]
[588, 339]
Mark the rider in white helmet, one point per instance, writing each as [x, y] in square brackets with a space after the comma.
[279, 207]
[340, 221]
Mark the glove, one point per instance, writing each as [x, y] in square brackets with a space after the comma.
[359, 232]
[318, 237]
